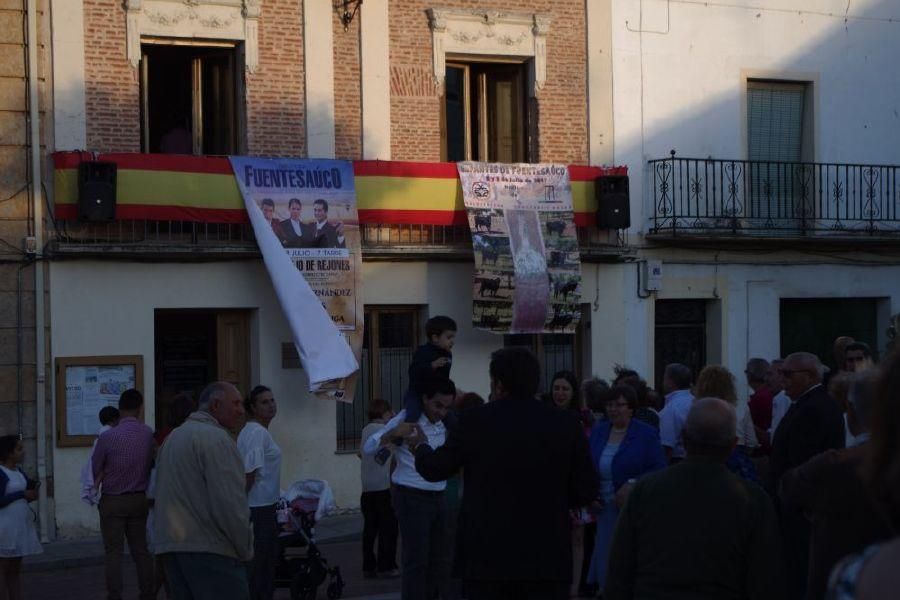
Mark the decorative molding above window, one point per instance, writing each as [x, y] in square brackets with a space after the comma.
[202, 19]
[488, 32]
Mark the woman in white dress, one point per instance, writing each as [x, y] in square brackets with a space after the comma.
[18, 537]
[262, 464]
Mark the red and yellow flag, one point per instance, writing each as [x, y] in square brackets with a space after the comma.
[169, 187]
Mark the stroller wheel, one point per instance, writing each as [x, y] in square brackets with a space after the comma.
[298, 594]
[334, 590]
[300, 589]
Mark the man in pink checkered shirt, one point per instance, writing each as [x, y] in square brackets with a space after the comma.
[122, 460]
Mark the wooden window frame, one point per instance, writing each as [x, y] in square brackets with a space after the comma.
[63, 438]
[238, 110]
[472, 67]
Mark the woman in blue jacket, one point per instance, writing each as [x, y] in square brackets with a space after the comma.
[622, 449]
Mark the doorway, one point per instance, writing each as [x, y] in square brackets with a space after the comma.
[812, 324]
[194, 347]
[680, 336]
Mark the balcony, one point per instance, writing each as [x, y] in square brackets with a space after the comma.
[740, 199]
[189, 208]
[188, 240]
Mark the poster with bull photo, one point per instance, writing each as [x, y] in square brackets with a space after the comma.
[304, 218]
[527, 266]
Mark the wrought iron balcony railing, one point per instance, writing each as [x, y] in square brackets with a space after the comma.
[778, 199]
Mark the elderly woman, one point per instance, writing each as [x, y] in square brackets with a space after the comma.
[715, 381]
[17, 535]
[262, 464]
[623, 449]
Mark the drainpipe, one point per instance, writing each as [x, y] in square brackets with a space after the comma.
[38, 208]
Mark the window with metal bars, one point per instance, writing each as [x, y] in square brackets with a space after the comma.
[390, 338]
[554, 351]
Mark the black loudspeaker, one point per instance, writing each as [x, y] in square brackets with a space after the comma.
[613, 207]
[96, 191]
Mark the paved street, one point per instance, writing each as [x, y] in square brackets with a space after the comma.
[73, 570]
[86, 582]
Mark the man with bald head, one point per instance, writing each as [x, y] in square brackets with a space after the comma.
[203, 530]
[813, 424]
[717, 537]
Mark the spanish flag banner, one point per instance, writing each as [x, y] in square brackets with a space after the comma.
[172, 187]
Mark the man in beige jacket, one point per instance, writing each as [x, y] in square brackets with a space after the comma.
[203, 529]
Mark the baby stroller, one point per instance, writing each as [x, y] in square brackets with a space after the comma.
[304, 503]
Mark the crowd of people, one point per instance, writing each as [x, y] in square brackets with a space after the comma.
[697, 492]
[590, 489]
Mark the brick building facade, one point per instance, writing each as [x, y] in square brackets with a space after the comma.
[18, 194]
[303, 85]
[274, 112]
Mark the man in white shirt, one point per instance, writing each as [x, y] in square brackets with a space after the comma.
[677, 385]
[419, 504]
[781, 402]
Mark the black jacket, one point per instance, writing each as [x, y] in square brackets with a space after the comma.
[812, 425]
[695, 531]
[327, 237]
[420, 371]
[525, 464]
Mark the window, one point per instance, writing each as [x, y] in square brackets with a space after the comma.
[484, 112]
[189, 97]
[775, 120]
[390, 338]
[680, 336]
[779, 131]
[554, 351]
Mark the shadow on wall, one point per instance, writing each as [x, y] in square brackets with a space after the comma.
[681, 68]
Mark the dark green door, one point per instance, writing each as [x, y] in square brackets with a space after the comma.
[812, 324]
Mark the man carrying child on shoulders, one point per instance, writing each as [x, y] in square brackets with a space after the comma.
[419, 504]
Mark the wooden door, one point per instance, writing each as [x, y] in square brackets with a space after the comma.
[233, 343]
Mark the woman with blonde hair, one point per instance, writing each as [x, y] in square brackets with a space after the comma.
[715, 381]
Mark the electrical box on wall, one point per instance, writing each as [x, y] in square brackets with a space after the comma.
[653, 272]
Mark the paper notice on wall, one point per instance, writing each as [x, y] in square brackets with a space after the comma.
[304, 217]
[527, 265]
[91, 388]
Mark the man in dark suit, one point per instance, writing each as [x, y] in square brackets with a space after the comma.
[830, 490]
[294, 233]
[525, 464]
[268, 210]
[812, 425]
[326, 235]
[695, 531]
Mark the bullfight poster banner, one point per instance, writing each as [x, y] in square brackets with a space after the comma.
[304, 217]
[527, 266]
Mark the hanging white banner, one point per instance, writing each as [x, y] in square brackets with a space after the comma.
[303, 214]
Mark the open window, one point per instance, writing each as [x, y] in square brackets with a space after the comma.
[485, 112]
[189, 97]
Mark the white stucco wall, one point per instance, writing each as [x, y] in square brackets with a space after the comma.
[680, 66]
[749, 297]
[107, 308]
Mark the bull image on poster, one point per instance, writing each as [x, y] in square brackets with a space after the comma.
[304, 217]
[527, 266]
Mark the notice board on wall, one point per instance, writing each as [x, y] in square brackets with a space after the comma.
[86, 384]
